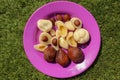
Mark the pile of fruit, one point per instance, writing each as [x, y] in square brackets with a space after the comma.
[59, 39]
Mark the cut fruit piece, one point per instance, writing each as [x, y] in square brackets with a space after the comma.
[62, 29]
[71, 40]
[54, 43]
[69, 26]
[59, 23]
[44, 25]
[63, 43]
[43, 36]
[52, 32]
[81, 36]
[40, 47]
[58, 33]
[76, 22]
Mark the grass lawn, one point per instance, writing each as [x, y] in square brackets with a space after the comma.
[14, 64]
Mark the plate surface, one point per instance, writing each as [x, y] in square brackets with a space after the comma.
[31, 35]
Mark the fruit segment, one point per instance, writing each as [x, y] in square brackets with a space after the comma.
[52, 32]
[44, 38]
[63, 43]
[81, 36]
[62, 30]
[76, 22]
[71, 40]
[44, 25]
[40, 47]
[69, 25]
[54, 43]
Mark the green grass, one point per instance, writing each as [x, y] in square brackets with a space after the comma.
[14, 64]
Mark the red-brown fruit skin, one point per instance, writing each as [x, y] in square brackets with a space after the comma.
[59, 17]
[66, 17]
[75, 54]
[62, 58]
[50, 54]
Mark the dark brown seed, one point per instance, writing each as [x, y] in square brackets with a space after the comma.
[59, 17]
[77, 22]
[54, 42]
[66, 17]
[45, 39]
[52, 20]
[62, 58]
[75, 54]
[50, 54]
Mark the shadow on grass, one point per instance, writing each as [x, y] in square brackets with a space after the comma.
[92, 66]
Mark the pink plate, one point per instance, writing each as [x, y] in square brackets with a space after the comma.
[31, 34]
